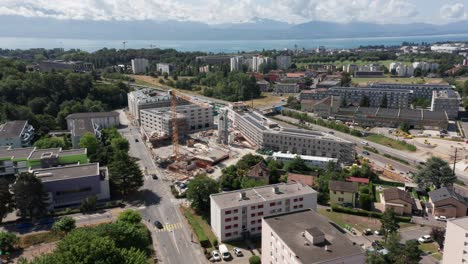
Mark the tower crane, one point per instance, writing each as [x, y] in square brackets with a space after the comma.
[174, 122]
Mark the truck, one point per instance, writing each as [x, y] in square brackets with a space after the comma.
[224, 252]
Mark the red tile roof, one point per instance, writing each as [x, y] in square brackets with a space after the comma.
[357, 179]
[302, 178]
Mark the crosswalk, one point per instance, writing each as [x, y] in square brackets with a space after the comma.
[168, 227]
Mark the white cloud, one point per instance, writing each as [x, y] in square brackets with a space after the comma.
[454, 11]
[217, 11]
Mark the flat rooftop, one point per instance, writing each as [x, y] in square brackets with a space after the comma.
[260, 194]
[67, 172]
[290, 227]
[93, 115]
[35, 153]
[38, 153]
[304, 157]
[16, 153]
[12, 128]
[461, 222]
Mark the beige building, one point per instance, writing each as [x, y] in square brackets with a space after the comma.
[305, 237]
[81, 123]
[238, 214]
[343, 193]
[446, 202]
[264, 133]
[456, 241]
[398, 200]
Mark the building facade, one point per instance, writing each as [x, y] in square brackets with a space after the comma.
[164, 68]
[81, 123]
[343, 192]
[283, 62]
[16, 134]
[238, 214]
[149, 98]
[139, 65]
[446, 100]
[311, 161]
[281, 88]
[236, 63]
[456, 241]
[306, 237]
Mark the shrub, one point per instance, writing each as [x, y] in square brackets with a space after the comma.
[341, 209]
[215, 243]
[255, 260]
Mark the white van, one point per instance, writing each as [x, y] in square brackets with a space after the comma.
[224, 252]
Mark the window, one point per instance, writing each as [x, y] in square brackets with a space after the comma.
[260, 206]
[279, 203]
[236, 225]
[300, 206]
[236, 233]
[301, 199]
[272, 204]
[259, 228]
[253, 207]
[228, 219]
[252, 222]
[228, 234]
[235, 217]
[295, 199]
[228, 227]
[252, 215]
[259, 220]
[252, 229]
[295, 207]
[228, 212]
[236, 211]
[260, 213]
[340, 199]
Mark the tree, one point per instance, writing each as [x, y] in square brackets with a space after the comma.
[297, 165]
[435, 172]
[90, 142]
[199, 191]
[365, 201]
[384, 102]
[64, 225]
[255, 260]
[130, 216]
[29, 194]
[125, 174]
[88, 204]
[365, 102]
[343, 102]
[120, 144]
[438, 234]
[404, 127]
[50, 142]
[389, 223]
[8, 241]
[408, 253]
[345, 79]
[7, 203]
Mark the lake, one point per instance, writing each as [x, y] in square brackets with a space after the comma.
[219, 45]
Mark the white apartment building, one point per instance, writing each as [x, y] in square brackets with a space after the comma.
[238, 214]
[425, 66]
[305, 237]
[456, 241]
[148, 98]
[139, 65]
[311, 161]
[264, 133]
[164, 68]
[236, 63]
[192, 118]
[259, 60]
[283, 62]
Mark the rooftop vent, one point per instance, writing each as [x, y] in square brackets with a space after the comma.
[276, 189]
[314, 235]
[242, 196]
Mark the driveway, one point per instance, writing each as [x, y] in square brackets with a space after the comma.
[414, 232]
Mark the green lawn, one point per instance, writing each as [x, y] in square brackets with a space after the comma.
[429, 247]
[437, 256]
[360, 223]
[201, 228]
[386, 141]
[388, 79]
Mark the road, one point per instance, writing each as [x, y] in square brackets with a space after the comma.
[173, 243]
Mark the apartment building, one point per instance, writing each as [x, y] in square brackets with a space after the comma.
[70, 185]
[353, 95]
[281, 88]
[149, 98]
[283, 62]
[418, 90]
[262, 132]
[426, 66]
[191, 119]
[446, 100]
[456, 241]
[306, 237]
[16, 160]
[16, 134]
[214, 59]
[236, 63]
[164, 68]
[238, 214]
[264, 85]
[259, 60]
[139, 65]
[82, 123]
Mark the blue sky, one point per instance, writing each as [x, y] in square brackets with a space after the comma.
[226, 11]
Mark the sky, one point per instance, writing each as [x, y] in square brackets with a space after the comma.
[236, 11]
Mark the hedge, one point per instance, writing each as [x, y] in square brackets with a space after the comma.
[389, 183]
[341, 209]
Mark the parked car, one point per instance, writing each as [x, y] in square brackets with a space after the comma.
[136, 140]
[377, 245]
[216, 255]
[154, 176]
[425, 239]
[158, 224]
[238, 252]
[377, 233]
[441, 218]
[368, 232]
[224, 252]
[365, 152]
[364, 143]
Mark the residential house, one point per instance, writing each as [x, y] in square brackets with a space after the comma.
[398, 200]
[259, 172]
[446, 202]
[343, 193]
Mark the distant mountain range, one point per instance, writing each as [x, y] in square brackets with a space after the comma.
[16, 26]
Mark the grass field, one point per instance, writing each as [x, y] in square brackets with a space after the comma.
[386, 141]
[266, 100]
[389, 79]
[38, 238]
[360, 223]
[429, 247]
[199, 225]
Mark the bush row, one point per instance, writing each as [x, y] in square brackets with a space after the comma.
[341, 209]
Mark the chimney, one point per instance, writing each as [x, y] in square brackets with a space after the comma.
[276, 189]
